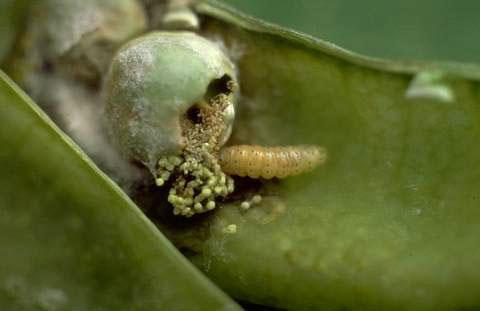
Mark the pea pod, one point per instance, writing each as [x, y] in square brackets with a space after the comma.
[390, 222]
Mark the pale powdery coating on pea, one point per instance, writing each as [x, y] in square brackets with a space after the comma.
[74, 20]
[268, 162]
[170, 105]
[152, 82]
[88, 30]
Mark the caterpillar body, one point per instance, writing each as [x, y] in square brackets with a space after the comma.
[268, 162]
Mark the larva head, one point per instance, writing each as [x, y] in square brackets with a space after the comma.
[155, 83]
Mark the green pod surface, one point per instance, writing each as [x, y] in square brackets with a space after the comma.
[70, 239]
[391, 223]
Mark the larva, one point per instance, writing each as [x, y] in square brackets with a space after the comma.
[267, 162]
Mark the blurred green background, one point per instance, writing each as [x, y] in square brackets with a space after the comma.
[435, 30]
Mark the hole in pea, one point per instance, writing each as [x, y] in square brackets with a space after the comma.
[223, 85]
[193, 114]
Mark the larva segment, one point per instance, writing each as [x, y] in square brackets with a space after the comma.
[268, 162]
